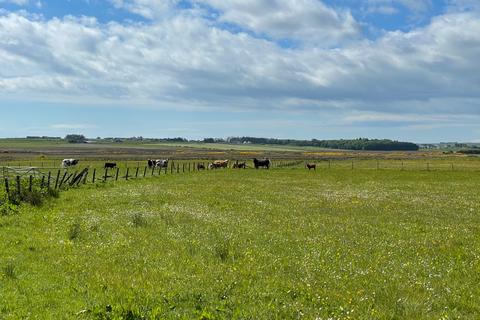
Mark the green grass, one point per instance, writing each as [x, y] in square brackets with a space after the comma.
[278, 244]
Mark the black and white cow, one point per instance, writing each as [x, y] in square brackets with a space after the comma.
[69, 162]
[158, 163]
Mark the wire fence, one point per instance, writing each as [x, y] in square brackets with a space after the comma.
[47, 174]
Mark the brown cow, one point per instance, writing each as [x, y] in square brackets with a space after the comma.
[218, 164]
[311, 166]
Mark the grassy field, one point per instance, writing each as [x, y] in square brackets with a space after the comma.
[278, 244]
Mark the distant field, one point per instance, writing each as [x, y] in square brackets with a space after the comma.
[278, 244]
[32, 150]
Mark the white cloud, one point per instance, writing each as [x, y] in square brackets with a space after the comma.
[17, 2]
[308, 20]
[185, 61]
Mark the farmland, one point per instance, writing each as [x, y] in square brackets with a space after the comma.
[365, 236]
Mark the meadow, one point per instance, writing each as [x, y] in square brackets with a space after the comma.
[249, 244]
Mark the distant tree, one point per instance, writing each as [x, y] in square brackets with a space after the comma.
[75, 138]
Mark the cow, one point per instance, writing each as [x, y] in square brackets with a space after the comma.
[218, 164]
[157, 163]
[311, 166]
[240, 165]
[69, 162]
[265, 163]
[110, 165]
[200, 166]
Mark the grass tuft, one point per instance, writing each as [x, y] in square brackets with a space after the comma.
[74, 231]
[9, 271]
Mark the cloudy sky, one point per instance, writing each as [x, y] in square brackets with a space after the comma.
[399, 69]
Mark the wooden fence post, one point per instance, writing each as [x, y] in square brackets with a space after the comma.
[48, 180]
[30, 182]
[7, 188]
[136, 172]
[105, 175]
[93, 178]
[126, 175]
[56, 180]
[145, 172]
[116, 174]
[183, 167]
[42, 183]
[18, 185]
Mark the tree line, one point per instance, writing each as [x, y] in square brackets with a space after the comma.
[346, 144]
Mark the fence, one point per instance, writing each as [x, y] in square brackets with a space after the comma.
[19, 179]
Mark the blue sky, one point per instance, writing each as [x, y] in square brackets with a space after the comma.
[399, 69]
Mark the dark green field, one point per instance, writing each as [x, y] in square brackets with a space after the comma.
[278, 244]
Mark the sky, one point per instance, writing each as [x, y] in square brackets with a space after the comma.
[326, 69]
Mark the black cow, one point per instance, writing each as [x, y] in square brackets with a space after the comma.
[240, 165]
[110, 165]
[265, 163]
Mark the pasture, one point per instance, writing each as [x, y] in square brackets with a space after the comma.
[251, 244]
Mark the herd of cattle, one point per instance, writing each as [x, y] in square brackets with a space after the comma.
[163, 163]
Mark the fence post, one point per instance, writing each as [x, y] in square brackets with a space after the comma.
[183, 167]
[93, 178]
[7, 188]
[18, 185]
[116, 174]
[56, 180]
[153, 170]
[145, 172]
[85, 178]
[48, 179]
[126, 175]
[30, 181]
[105, 176]
[42, 183]
[136, 173]
[194, 166]
[178, 168]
